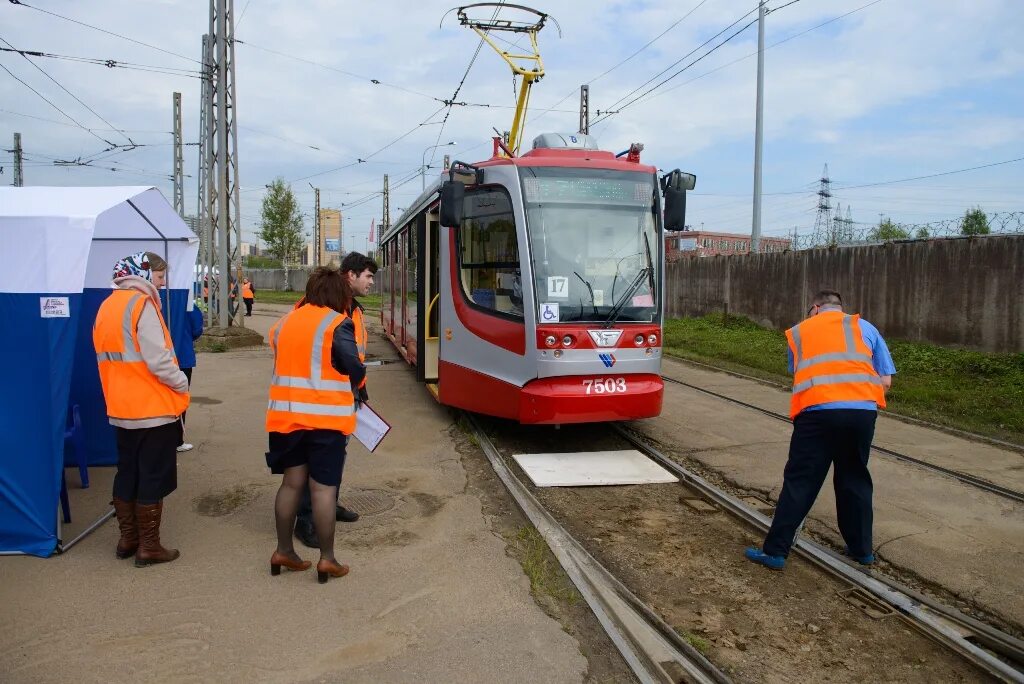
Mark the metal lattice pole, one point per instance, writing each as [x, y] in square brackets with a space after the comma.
[222, 140]
[202, 220]
[19, 177]
[179, 162]
[585, 109]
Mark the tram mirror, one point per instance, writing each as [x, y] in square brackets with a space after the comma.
[453, 195]
[673, 187]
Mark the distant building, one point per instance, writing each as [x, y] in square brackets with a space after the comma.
[249, 249]
[330, 237]
[306, 255]
[703, 243]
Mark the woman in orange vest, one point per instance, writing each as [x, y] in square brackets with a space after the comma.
[312, 410]
[248, 295]
[146, 393]
[841, 371]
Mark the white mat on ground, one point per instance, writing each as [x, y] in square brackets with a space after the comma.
[591, 468]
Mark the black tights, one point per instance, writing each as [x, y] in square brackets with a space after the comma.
[324, 500]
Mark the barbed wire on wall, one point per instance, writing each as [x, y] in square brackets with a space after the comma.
[844, 232]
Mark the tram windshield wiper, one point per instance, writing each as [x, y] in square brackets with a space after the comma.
[590, 288]
[616, 311]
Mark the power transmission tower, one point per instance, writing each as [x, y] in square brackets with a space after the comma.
[387, 209]
[585, 109]
[206, 251]
[316, 226]
[222, 146]
[19, 178]
[755, 225]
[823, 222]
[447, 161]
[179, 162]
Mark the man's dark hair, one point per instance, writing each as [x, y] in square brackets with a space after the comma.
[357, 263]
[328, 287]
[828, 298]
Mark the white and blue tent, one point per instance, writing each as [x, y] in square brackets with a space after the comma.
[58, 246]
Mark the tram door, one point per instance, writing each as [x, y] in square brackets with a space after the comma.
[431, 297]
[400, 314]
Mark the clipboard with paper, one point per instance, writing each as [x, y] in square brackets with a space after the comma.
[370, 427]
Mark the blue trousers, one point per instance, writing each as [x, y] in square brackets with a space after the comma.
[836, 437]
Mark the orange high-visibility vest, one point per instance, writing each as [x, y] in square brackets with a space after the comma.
[831, 362]
[306, 392]
[130, 390]
[360, 325]
[247, 291]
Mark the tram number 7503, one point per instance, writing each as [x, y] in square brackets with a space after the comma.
[605, 385]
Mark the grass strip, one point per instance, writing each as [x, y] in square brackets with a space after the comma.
[975, 391]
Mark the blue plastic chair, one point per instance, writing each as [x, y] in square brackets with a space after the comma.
[73, 434]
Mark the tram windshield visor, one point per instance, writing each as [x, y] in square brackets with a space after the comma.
[595, 244]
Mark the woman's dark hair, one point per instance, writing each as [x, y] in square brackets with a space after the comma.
[327, 287]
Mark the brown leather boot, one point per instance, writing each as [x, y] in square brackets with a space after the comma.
[129, 541]
[150, 551]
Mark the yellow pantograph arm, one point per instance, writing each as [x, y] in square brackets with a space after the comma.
[530, 73]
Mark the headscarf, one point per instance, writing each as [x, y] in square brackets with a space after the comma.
[136, 265]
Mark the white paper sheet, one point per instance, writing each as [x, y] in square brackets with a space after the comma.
[370, 428]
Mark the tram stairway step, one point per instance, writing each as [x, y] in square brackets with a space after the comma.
[432, 386]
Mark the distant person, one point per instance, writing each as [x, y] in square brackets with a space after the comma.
[146, 394]
[248, 295]
[359, 271]
[187, 360]
[842, 370]
[311, 413]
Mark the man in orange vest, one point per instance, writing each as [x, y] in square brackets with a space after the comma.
[311, 412]
[248, 295]
[359, 270]
[841, 371]
[146, 393]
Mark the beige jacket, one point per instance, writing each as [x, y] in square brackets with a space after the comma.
[159, 360]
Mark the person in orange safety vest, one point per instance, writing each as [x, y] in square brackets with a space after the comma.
[248, 295]
[359, 270]
[314, 396]
[841, 371]
[146, 393]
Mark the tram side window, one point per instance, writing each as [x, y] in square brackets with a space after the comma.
[489, 252]
[410, 268]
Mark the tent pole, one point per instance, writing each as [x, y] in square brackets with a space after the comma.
[61, 548]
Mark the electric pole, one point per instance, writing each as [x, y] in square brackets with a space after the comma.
[203, 220]
[387, 210]
[316, 226]
[179, 163]
[222, 146]
[585, 109]
[755, 228]
[19, 179]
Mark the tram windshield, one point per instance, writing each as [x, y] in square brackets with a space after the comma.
[595, 245]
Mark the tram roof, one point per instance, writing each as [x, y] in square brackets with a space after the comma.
[565, 158]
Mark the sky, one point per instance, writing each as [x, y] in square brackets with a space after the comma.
[879, 90]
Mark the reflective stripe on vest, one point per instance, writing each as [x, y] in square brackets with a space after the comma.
[840, 367]
[311, 409]
[129, 354]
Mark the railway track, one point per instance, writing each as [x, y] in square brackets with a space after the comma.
[657, 654]
[965, 478]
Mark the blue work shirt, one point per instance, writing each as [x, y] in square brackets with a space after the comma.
[880, 359]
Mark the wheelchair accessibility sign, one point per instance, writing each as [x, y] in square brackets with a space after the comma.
[549, 313]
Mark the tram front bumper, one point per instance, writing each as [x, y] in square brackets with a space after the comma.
[578, 399]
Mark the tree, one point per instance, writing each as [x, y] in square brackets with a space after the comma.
[261, 262]
[281, 224]
[922, 233]
[975, 223]
[887, 230]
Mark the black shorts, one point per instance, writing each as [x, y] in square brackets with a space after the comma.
[322, 450]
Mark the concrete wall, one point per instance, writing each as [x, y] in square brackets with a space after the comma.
[273, 279]
[965, 292]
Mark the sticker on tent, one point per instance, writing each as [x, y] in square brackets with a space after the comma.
[54, 307]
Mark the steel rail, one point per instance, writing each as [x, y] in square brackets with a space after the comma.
[651, 648]
[966, 478]
[932, 619]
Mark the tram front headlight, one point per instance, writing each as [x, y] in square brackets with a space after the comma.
[638, 340]
[551, 340]
[652, 339]
[567, 341]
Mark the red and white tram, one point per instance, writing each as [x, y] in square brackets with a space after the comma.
[530, 287]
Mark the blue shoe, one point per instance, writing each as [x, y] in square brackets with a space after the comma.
[863, 560]
[756, 555]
